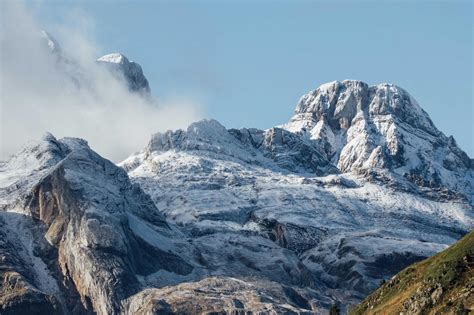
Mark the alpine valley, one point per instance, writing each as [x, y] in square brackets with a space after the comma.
[356, 186]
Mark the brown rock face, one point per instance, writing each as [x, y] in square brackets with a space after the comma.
[79, 212]
[18, 293]
[99, 270]
[18, 297]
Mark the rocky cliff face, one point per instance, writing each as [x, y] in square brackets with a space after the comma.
[366, 129]
[128, 70]
[81, 208]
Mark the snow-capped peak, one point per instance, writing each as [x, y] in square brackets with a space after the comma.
[129, 70]
[341, 101]
[114, 58]
[364, 128]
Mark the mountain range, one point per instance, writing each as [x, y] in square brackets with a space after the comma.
[356, 186]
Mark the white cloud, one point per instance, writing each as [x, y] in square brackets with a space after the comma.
[37, 95]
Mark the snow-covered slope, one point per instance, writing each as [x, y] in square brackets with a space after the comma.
[357, 185]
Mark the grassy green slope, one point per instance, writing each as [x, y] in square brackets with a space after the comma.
[442, 284]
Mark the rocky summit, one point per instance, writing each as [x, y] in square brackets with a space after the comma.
[295, 219]
[127, 70]
[83, 75]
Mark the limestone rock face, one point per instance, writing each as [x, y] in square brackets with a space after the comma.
[83, 205]
[442, 284]
[220, 295]
[366, 129]
[19, 292]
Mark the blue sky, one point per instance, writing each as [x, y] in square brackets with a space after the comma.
[248, 62]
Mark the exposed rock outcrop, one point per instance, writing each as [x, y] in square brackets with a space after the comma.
[221, 296]
[19, 285]
[127, 70]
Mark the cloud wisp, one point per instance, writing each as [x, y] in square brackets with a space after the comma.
[73, 96]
